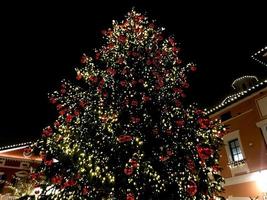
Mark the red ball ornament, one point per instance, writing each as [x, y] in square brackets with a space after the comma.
[63, 91]
[82, 103]
[146, 98]
[159, 37]
[163, 158]
[69, 183]
[178, 103]
[110, 45]
[134, 103]
[183, 95]
[169, 152]
[180, 122]
[122, 39]
[120, 60]
[34, 176]
[141, 81]
[185, 85]
[103, 32]
[59, 107]
[111, 71]
[130, 196]
[168, 132]
[47, 132]
[135, 120]
[149, 62]
[177, 90]
[133, 82]
[204, 123]
[204, 152]
[56, 180]
[124, 138]
[216, 168]
[123, 83]
[97, 56]
[79, 76]
[48, 162]
[76, 112]
[172, 41]
[151, 25]
[53, 100]
[191, 165]
[135, 54]
[84, 59]
[128, 170]
[191, 188]
[69, 118]
[85, 190]
[56, 124]
[62, 112]
[93, 79]
[133, 163]
[193, 68]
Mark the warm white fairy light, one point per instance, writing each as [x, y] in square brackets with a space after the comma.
[255, 56]
[20, 145]
[129, 130]
[242, 78]
[239, 95]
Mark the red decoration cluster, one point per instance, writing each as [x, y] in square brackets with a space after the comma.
[47, 132]
[204, 152]
[130, 196]
[128, 170]
[192, 188]
[56, 180]
[124, 138]
[84, 59]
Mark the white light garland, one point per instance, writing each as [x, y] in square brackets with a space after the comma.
[236, 96]
[243, 77]
[15, 145]
[254, 56]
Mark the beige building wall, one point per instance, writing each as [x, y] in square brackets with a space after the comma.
[248, 124]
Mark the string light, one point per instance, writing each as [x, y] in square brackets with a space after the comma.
[19, 145]
[127, 131]
[243, 78]
[232, 98]
[255, 56]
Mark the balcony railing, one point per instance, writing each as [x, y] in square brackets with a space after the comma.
[234, 164]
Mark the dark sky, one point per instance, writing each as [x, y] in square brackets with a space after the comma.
[41, 44]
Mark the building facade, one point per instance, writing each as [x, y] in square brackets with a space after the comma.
[15, 165]
[244, 154]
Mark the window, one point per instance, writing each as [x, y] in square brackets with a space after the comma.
[262, 104]
[235, 150]
[263, 126]
[235, 153]
[226, 116]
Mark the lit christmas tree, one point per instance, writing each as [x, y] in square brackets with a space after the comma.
[125, 133]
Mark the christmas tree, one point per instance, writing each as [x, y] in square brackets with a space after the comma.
[123, 131]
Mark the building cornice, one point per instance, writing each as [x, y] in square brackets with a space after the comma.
[238, 98]
[14, 147]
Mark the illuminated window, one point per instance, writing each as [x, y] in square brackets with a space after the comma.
[235, 150]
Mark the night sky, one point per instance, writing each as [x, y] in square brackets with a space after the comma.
[42, 43]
